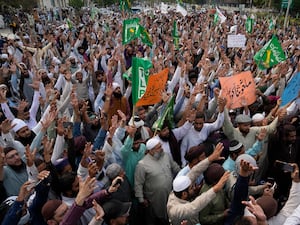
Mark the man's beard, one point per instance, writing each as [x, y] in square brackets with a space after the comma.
[18, 168]
[25, 75]
[27, 140]
[117, 95]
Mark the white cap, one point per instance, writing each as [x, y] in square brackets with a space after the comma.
[4, 56]
[151, 143]
[244, 157]
[257, 117]
[115, 85]
[181, 183]
[19, 124]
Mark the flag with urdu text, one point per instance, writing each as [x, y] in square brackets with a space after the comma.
[144, 36]
[168, 114]
[125, 5]
[139, 77]
[155, 86]
[131, 29]
[175, 35]
[249, 25]
[270, 55]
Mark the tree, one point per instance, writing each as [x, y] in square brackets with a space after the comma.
[76, 4]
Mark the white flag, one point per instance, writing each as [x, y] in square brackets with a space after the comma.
[164, 8]
[181, 10]
[220, 15]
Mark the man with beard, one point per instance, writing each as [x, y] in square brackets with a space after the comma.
[283, 146]
[244, 132]
[132, 152]
[14, 173]
[201, 130]
[82, 86]
[169, 138]
[115, 101]
[22, 131]
[25, 89]
[153, 182]
[181, 203]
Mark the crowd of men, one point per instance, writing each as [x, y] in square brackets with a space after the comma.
[74, 149]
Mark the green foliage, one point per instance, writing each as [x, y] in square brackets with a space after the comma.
[76, 4]
[26, 5]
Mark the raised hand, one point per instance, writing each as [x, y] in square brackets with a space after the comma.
[99, 211]
[221, 182]
[86, 188]
[6, 126]
[48, 148]
[216, 155]
[30, 156]
[262, 134]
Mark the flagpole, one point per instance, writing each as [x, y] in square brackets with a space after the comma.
[133, 112]
[287, 14]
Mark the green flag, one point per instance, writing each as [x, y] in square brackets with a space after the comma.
[125, 5]
[216, 18]
[93, 13]
[144, 35]
[128, 74]
[130, 30]
[271, 54]
[69, 24]
[140, 73]
[249, 25]
[271, 24]
[175, 35]
[168, 114]
[179, 2]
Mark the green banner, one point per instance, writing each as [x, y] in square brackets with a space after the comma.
[140, 74]
[125, 5]
[270, 55]
[145, 37]
[249, 25]
[130, 30]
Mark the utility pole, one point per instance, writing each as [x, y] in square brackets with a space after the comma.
[287, 14]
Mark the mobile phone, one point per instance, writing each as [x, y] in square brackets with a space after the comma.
[284, 166]
[119, 181]
[67, 124]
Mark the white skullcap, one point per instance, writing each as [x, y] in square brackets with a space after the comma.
[115, 85]
[19, 125]
[181, 183]
[11, 37]
[4, 56]
[137, 122]
[56, 60]
[151, 143]
[257, 80]
[257, 117]
[245, 157]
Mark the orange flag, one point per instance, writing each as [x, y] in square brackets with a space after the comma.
[156, 84]
[238, 88]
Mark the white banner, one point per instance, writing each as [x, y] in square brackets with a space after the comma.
[236, 41]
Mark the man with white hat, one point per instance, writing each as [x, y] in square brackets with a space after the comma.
[153, 182]
[179, 206]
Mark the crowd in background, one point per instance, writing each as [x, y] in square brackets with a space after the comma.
[73, 150]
